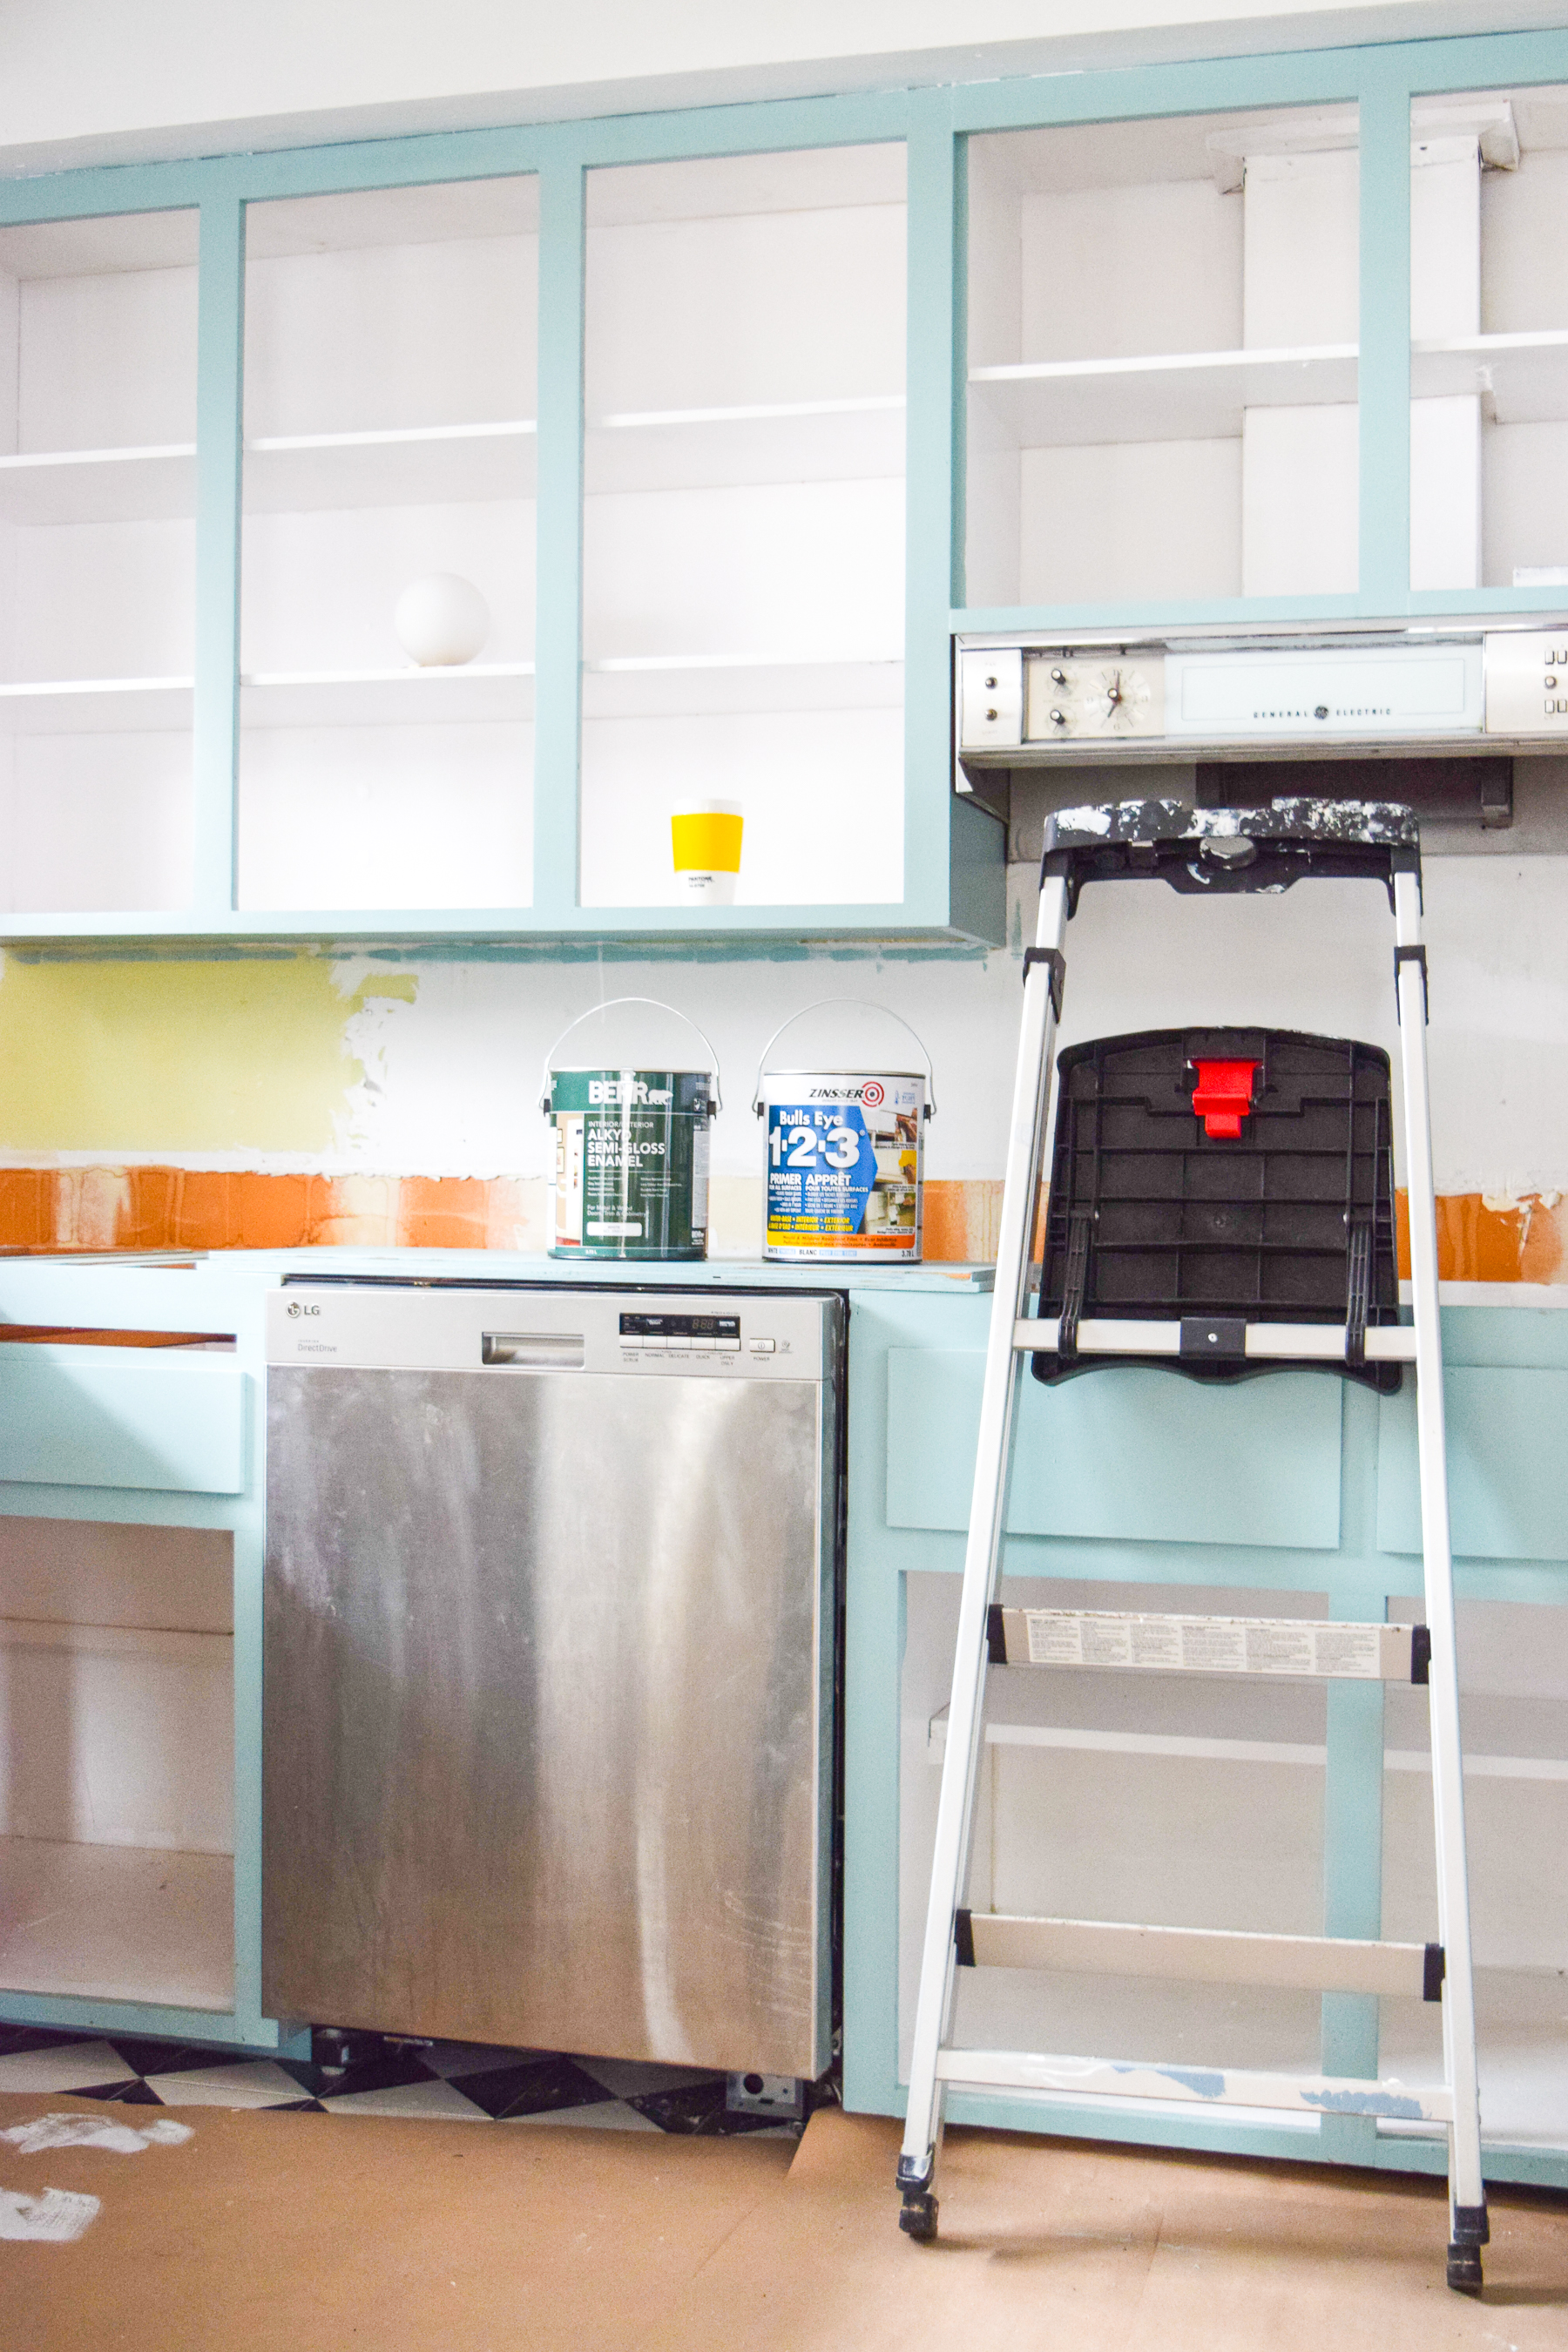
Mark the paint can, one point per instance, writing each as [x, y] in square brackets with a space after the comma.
[632, 1148]
[844, 1160]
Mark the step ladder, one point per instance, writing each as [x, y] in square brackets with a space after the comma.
[1207, 851]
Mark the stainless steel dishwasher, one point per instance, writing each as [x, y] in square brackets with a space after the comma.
[549, 1667]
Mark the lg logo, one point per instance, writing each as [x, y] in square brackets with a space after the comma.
[296, 1308]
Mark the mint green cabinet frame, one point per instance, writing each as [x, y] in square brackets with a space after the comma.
[953, 853]
[127, 1435]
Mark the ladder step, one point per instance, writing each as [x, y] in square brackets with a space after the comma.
[1137, 1639]
[1100, 2078]
[992, 1939]
[1314, 1342]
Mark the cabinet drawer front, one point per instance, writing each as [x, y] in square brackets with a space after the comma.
[1508, 1471]
[1137, 1455]
[170, 1428]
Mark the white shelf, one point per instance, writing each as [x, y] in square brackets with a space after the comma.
[787, 441]
[117, 1923]
[95, 706]
[637, 686]
[474, 691]
[141, 485]
[1173, 396]
[427, 465]
[1522, 379]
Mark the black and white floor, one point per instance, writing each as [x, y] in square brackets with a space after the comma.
[432, 2082]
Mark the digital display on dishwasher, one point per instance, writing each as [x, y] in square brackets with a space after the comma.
[682, 1327]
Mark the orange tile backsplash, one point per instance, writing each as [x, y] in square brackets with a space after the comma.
[153, 1208]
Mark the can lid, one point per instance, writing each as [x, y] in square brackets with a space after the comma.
[816, 1071]
[866, 1004]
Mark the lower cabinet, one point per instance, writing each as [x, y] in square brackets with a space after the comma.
[1188, 1800]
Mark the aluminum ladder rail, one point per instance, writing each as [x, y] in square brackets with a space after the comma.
[1207, 851]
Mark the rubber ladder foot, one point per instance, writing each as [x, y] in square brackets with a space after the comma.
[917, 2217]
[1465, 2269]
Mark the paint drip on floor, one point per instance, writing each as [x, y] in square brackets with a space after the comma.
[56, 2217]
[93, 2131]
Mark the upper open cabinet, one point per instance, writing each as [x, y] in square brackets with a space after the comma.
[744, 582]
[1162, 360]
[560, 532]
[386, 707]
[98, 450]
[1488, 348]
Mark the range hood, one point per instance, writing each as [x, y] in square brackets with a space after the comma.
[1030, 701]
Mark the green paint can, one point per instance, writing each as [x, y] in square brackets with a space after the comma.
[632, 1146]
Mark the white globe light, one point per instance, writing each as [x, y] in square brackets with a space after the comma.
[441, 620]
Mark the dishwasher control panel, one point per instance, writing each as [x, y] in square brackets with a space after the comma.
[512, 1329]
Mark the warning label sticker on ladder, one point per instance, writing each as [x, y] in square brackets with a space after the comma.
[1203, 1646]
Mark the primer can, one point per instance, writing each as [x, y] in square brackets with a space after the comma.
[630, 1173]
[844, 1163]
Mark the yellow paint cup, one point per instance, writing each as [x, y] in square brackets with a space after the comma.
[706, 841]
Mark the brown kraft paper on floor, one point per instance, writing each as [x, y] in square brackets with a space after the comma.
[280, 2232]
[1063, 2246]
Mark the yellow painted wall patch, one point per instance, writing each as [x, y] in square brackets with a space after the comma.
[170, 1055]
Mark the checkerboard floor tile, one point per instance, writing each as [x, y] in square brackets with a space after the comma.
[430, 2080]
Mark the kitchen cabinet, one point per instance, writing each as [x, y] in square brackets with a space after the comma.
[734, 417]
[131, 1629]
[1162, 361]
[1294, 1809]
[743, 522]
[1489, 354]
[390, 395]
[98, 465]
[132, 1473]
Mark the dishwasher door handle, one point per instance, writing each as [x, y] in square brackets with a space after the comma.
[537, 1350]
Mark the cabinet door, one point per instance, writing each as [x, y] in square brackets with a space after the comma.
[98, 350]
[386, 746]
[1162, 360]
[744, 531]
[1488, 327]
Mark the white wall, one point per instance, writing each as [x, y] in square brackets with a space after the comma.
[453, 1077]
[96, 80]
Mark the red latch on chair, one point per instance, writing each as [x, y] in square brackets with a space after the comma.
[1222, 1096]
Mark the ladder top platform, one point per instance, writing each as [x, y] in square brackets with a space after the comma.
[1217, 849]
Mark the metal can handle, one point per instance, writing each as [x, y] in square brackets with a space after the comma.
[869, 1002]
[661, 1005]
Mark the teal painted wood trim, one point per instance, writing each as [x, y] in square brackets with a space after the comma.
[1294, 77]
[106, 1295]
[715, 932]
[224, 2029]
[1443, 603]
[1353, 1799]
[1385, 370]
[873, 1663]
[933, 277]
[1485, 61]
[117, 1506]
[1217, 2134]
[558, 625]
[1528, 2168]
[958, 586]
[427, 159]
[977, 873]
[1015, 620]
[119, 1417]
[220, 365]
[249, 1555]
